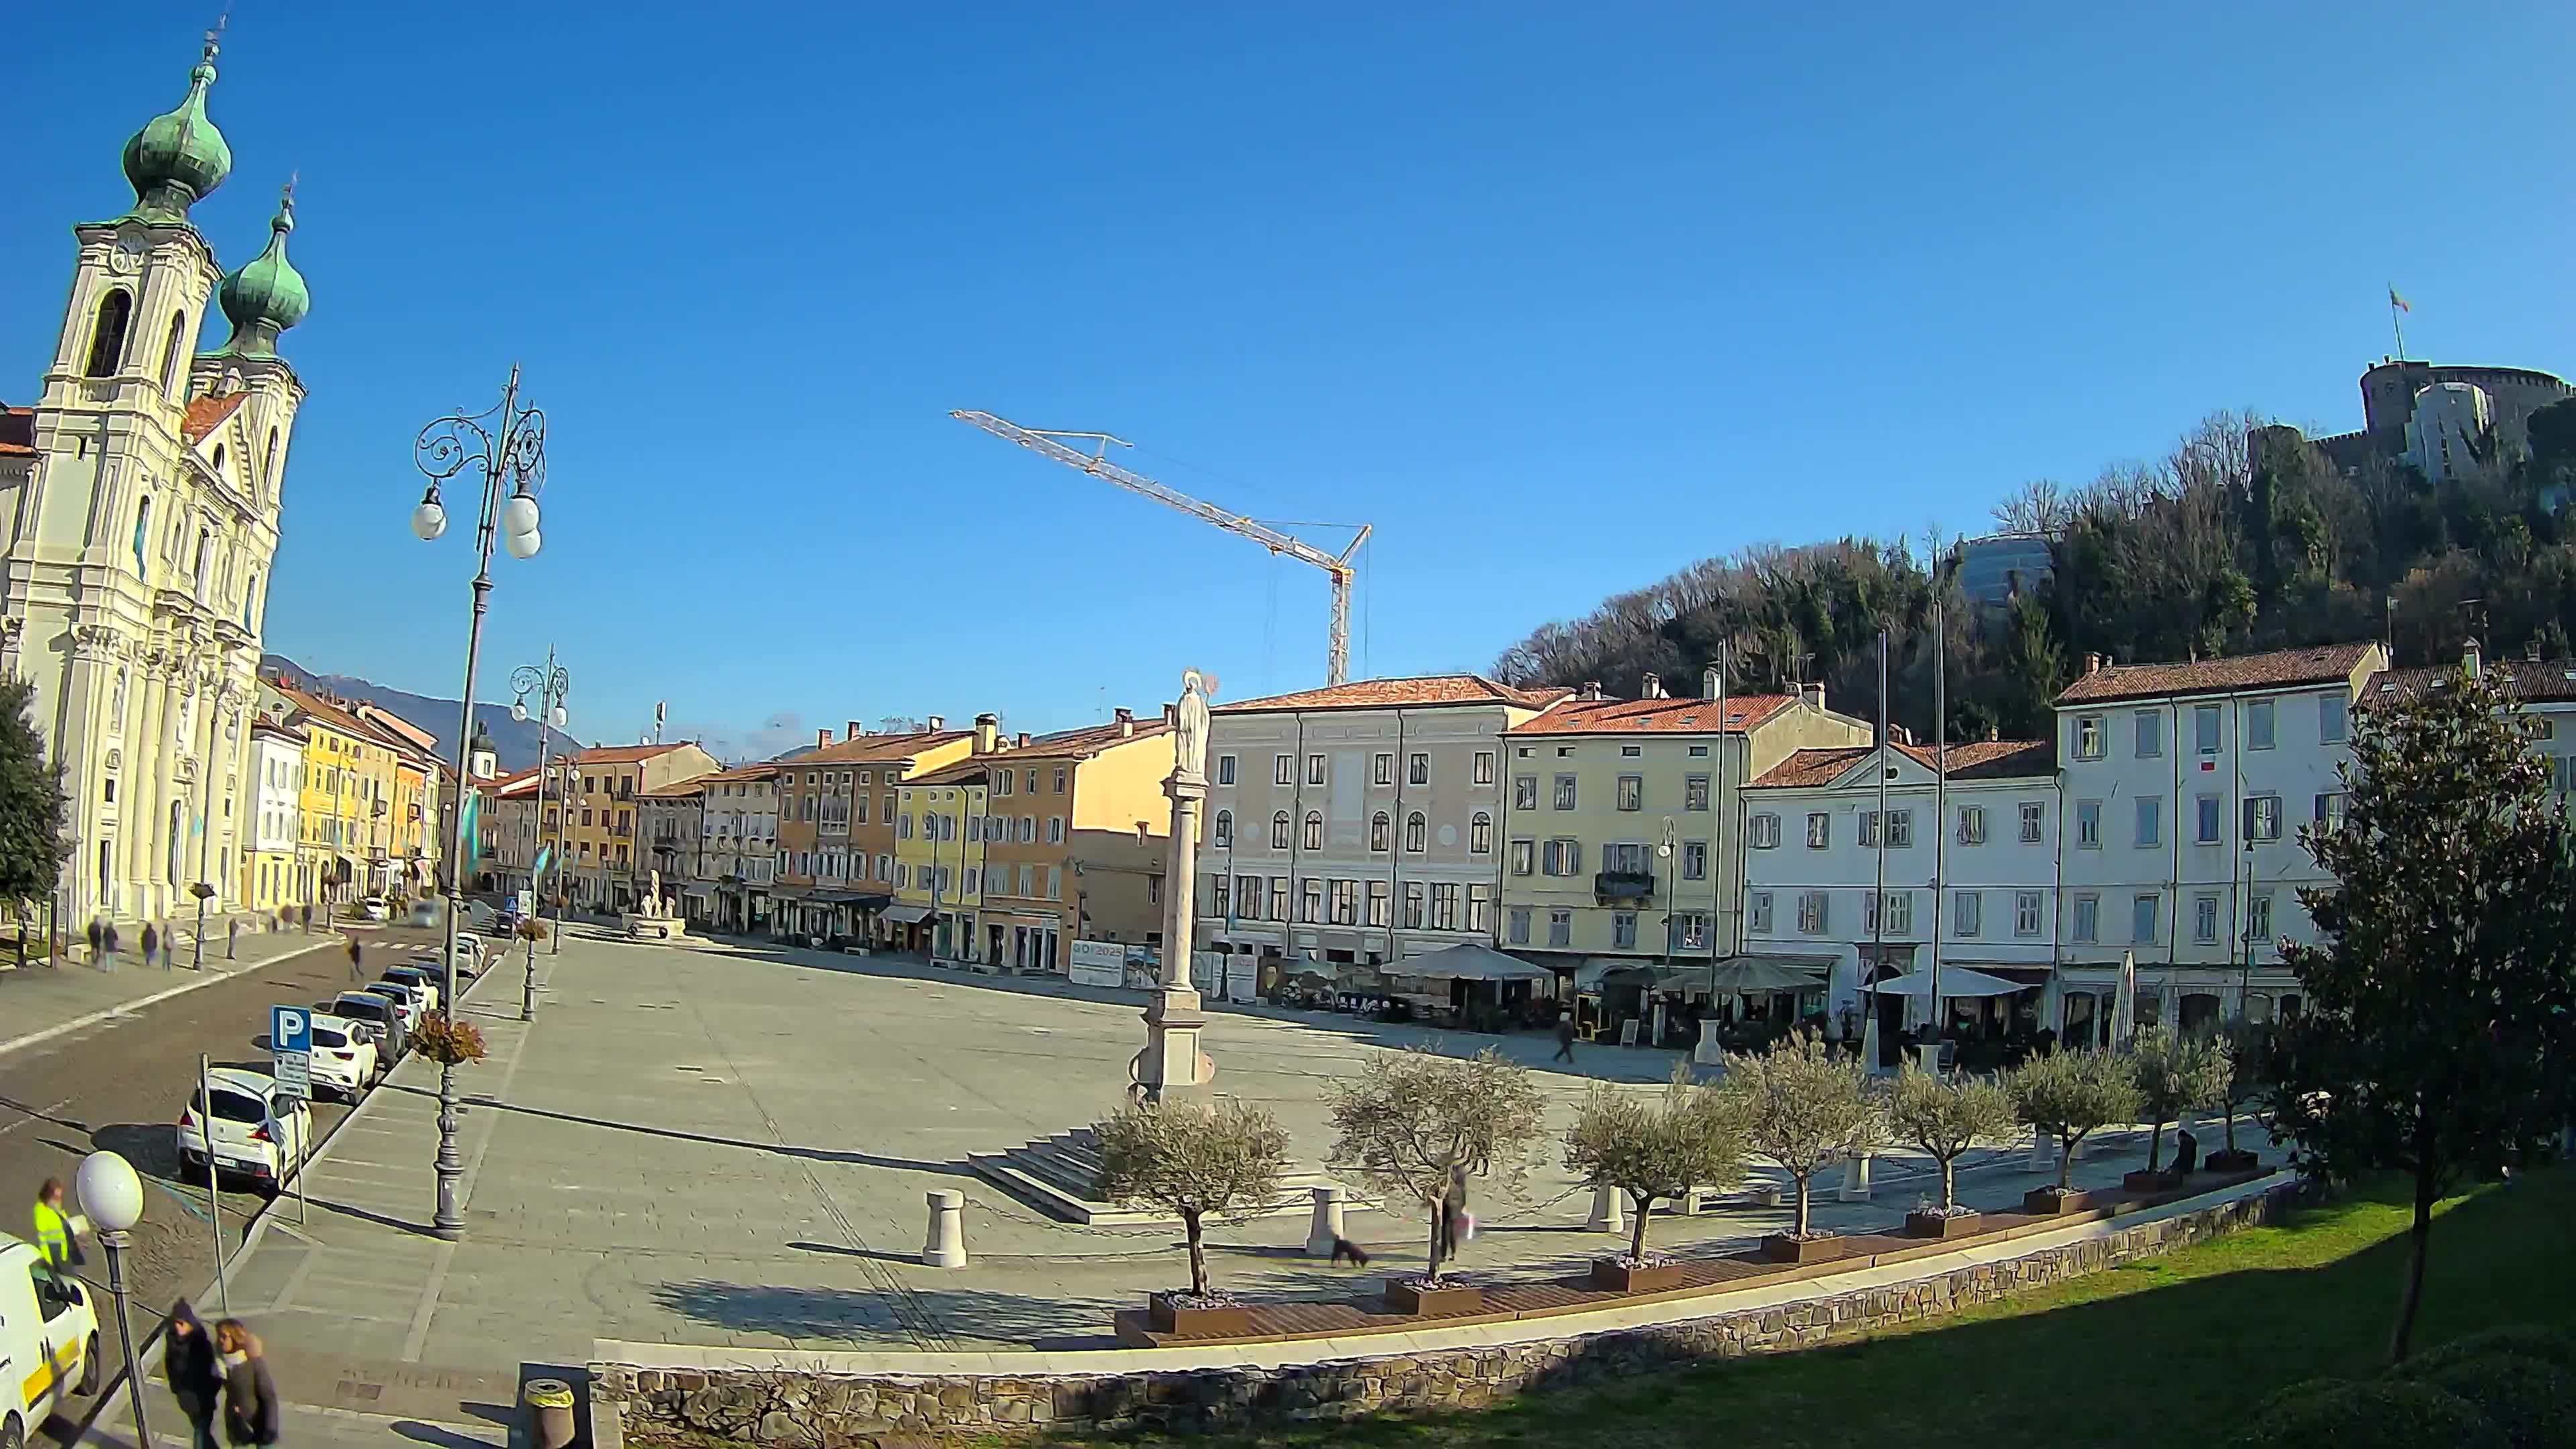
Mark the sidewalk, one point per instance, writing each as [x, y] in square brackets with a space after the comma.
[39, 1003]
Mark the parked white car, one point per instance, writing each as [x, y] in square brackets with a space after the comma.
[344, 1056]
[257, 1130]
[409, 1003]
[48, 1341]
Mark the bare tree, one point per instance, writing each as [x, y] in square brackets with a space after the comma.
[1945, 1116]
[1654, 1149]
[1801, 1108]
[1415, 1125]
[1193, 1160]
[2071, 1094]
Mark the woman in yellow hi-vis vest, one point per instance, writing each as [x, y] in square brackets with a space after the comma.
[58, 1233]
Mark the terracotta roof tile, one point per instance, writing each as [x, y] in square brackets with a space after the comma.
[17, 432]
[1653, 716]
[2279, 669]
[205, 414]
[2534, 679]
[876, 748]
[1969, 760]
[1433, 689]
[1082, 744]
[764, 770]
[623, 754]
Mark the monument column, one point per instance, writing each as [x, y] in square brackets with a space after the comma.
[1172, 1064]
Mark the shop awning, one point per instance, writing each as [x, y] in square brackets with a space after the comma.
[1956, 981]
[1470, 962]
[907, 915]
[1741, 975]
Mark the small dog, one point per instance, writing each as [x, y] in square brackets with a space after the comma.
[1345, 1248]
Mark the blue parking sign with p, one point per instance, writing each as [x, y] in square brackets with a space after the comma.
[290, 1030]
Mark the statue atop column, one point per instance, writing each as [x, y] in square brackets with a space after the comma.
[1190, 732]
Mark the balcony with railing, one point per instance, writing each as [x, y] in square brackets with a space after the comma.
[1623, 885]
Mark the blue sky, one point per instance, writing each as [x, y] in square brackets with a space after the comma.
[1559, 298]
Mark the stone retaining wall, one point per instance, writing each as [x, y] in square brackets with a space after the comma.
[824, 1411]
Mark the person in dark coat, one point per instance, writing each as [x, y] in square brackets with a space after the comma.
[250, 1395]
[188, 1360]
[356, 972]
[1564, 1037]
[151, 946]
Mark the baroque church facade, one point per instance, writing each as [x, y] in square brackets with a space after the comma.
[141, 494]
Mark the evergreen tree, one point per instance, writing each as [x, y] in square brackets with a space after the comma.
[2439, 996]
[32, 807]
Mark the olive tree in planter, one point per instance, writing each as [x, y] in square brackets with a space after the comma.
[1415, 1125]
[2249, 1057]
[1945, 1116]
[1194, 1160]
[1652, 1149]
[2069, 1095]
[1807, 1111]
[2176, 1074]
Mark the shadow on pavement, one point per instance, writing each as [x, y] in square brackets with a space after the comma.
[810, 1154]
[866, 1319]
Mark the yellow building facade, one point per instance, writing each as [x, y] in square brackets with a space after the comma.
[346, 800]
[939, 834]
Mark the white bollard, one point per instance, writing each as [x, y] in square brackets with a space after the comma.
[1856, 1177]
[1609, 1211]
[1327, 1228]
[946, 1247]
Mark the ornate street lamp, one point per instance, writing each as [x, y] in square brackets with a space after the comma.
[549, 684]
[507, 445]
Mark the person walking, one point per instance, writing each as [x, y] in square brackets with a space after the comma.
[97, 933]
[1564, 1038]
[189, 1362]
[356, 972]
[58, 1233]
[232, 936]
[250, 1395]
[307, 913]
[151, 945]
[111, 945]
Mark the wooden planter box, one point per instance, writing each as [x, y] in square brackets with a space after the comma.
[1933, 1225]
[2225, 1161]
[2041, 1203]
[1448, 1298]
[1782, 1248]
[2165, 1181]
[1167, 1318]
[1610, 1276]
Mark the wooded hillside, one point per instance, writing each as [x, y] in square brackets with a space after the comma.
[2241, 538]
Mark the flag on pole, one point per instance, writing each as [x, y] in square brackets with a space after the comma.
[2398, 302]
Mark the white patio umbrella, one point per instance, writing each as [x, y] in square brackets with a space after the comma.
[1956, 981]
[1742, 974]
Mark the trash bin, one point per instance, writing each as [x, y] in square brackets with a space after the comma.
[549, 1404]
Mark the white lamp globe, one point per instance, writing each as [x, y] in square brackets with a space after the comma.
[519, 515]
[110, 1194]
[429, 520]
[519, 710]
[560, 718]
[522, 545]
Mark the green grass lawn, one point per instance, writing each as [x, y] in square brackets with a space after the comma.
[2170, 1352]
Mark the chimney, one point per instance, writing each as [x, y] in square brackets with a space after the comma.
[1024, 739]
[1591, 690]
[1171, 716]
[935, 723]
[2470, 658]
[822, 738]
[988, 730]
[1653, 687]
[1712, 683]
[2092, 663]
[1813, 694]
[1126, 723]
[854, 730]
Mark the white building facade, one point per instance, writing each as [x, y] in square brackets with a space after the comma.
[739, 847]
[276, 813]
[141, 494]
[1977, 888]
[2185, 787]
[1342, 822]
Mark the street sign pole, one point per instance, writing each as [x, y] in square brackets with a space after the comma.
[214, 1190]
[290, 1043]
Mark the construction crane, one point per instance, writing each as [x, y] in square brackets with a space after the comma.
[1052, 443]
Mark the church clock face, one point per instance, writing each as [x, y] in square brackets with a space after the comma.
[127, 256]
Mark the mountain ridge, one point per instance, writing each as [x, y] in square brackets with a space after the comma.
[514, 741]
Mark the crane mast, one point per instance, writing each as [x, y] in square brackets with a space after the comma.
[1051, 443]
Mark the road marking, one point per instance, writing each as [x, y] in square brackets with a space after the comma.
[130, 1008]
[42, 1116]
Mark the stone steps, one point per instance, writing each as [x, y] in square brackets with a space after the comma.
[1059, 1176]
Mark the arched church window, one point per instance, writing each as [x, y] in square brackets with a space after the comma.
[197, 568]
[142, 533]
[268, 464]
[250, 601]
[107, 339]
[170, 352]
[219, 457]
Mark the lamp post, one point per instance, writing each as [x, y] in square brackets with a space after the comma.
[507, 445]
[111, 1197]
[549, 684]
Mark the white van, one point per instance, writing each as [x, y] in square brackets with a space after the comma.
[48, 1341]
